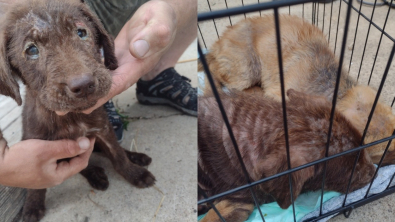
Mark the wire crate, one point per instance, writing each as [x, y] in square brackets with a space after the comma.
[363, 43]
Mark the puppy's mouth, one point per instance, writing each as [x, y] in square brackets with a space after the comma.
[61, 100]
[65, 104]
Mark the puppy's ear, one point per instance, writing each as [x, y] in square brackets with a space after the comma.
[103, 38]
[8, 84]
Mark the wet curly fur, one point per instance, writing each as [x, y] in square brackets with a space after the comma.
[246, 56]
[67, 75]
[257, 123]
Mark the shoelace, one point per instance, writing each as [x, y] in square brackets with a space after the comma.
[112, 114]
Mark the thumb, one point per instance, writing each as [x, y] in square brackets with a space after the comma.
[66, 169]
[139, 48]
[70, 148]
[152, 39]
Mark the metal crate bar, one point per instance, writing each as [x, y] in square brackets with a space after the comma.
[374, 24]
[355, 37]
[337, 27]
[229, 128]
[366, 40]
[215, 25]
[371, 114]
[275, 5]
[334, 99]
[295, 169]
[378, 47]
[200, 190]
[248, 8]
[283, 102]
[355, 204]
[330, 23]
[378, 166]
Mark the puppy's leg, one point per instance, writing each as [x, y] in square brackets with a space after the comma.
[96, 177]
[132, 172]
[230, 211]
[140, 159]
[274, 92]
[34, 208]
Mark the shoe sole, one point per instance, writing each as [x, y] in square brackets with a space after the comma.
[160, 101]
[120, 140]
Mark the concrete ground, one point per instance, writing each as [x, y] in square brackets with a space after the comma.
[382, 209]
[166, 135]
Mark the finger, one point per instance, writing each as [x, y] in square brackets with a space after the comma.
[123, 77]
[61, 113]
[66, 169]
[152, 29]
[67, 148]
[153, 39]
[98, 104]
[117, 86]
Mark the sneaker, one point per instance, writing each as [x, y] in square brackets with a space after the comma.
[168, 88]
[115, 120]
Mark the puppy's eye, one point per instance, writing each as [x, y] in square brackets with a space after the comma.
[32, 52]
[82, 33]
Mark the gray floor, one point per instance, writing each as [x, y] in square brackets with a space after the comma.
[382, 209]
[166, 135]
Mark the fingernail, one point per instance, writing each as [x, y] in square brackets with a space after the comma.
[60, 113]
[141, 47]
[84, 143]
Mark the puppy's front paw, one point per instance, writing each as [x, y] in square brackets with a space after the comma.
[96, 177]
[138, 176]
[138, 158]
[146, 180]
[33, 213]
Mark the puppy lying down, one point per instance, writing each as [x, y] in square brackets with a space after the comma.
[246, 56]
[257, 123]
[54, 47]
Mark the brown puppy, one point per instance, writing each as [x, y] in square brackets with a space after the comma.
[55, 48]
[246, 56]
[258, 128]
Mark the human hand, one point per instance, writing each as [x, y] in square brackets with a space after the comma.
[33, 163]
[140, 45]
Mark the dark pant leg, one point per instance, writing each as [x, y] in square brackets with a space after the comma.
[114, 13]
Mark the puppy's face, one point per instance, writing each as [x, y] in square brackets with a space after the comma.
[56, 49]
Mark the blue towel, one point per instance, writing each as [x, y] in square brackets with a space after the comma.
[307, 205]
[304, 204]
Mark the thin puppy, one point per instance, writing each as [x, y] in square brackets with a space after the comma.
[55, 48]
[246, 56]
[259, 131]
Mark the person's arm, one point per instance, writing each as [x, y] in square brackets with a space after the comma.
[33, 163]
[145, 38]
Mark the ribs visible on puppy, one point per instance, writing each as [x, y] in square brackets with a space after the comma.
[257, 124]
[55, 47]
[246, 56]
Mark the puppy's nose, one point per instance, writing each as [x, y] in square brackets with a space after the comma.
[82, 86]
